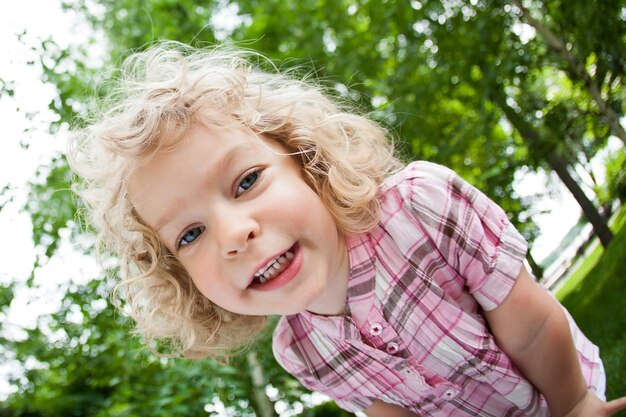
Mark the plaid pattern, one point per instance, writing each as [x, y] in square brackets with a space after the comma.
[414, 333]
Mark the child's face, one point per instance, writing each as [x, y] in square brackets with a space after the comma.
[228, 204]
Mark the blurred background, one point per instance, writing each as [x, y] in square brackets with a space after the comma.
[525, 99]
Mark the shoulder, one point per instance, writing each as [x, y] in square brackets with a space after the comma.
[424, 183]
[436, 191]
[283, 343]
[290, 344]
[419, 172]
[296, 353]
[422, 191]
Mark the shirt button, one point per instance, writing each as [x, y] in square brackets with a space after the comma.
[376, 329]
[392, 348]
[450, 394]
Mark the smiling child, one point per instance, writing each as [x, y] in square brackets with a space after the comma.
[230, 193]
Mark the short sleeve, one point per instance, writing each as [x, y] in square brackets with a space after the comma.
[470, 231]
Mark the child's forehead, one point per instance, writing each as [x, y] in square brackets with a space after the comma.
[219, 139]
[220, 143]
[169, 141]
[228, 137]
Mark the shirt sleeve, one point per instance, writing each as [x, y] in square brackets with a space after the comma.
[470, 231]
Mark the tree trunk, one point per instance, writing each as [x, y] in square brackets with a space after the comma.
[531, 137]
[261, 403]
[578, 68]
[535, 267]
[600, 225]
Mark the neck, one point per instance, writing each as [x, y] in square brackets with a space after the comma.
[333, 300]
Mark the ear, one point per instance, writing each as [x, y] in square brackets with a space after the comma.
[141, 257]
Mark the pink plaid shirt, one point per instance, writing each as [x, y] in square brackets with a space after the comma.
[414, 333]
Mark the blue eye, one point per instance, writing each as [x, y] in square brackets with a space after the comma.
[190, 236]
[247, 182]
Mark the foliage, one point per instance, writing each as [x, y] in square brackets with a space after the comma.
[51, 185]
[441, 75]
[6, 87]
[327, 410]
[86, 365]
[615, 184]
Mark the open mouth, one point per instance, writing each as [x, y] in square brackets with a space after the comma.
[274, 267]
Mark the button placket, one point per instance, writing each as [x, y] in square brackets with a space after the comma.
[450, 394]
[376, 329]
[392, 348]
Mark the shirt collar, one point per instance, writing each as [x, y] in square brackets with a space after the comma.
[361, 284]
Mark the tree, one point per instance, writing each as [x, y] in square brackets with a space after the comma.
[608, 59]
[486, 53]
[531, 136]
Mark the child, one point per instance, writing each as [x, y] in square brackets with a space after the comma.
[231, 194]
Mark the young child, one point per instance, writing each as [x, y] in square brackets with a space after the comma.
[231, 193]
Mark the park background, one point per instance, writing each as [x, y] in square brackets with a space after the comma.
[499, 91]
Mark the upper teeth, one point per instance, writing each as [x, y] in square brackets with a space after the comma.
[272, 266]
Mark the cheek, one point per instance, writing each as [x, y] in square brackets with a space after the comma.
[201, 277]
[210, 290]
[304, 206]
[317, 219]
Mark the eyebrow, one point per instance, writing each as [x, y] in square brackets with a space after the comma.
[219, 167]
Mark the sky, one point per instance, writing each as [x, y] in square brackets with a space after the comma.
[36, 20]
[25, 145]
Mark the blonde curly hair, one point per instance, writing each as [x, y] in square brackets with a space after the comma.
[157, 96]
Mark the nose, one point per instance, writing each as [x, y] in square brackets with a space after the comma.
[233, 234]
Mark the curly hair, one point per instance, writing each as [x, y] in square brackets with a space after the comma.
[156, 97]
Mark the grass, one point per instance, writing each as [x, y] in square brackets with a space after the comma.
[576, 278]
[594, 295]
